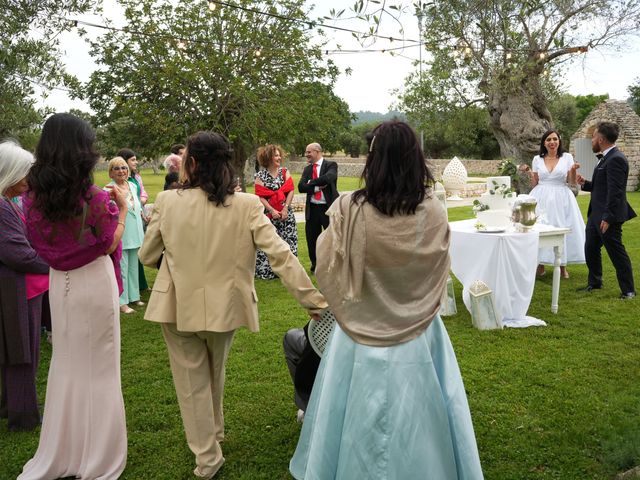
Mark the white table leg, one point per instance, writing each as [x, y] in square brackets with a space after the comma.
[555, 290]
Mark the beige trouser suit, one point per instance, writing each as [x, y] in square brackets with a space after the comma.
[204, 291]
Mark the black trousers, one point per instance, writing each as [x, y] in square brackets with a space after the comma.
[316, 221]
[612, 241]
[294, 344]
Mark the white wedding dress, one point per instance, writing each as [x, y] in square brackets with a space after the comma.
[557, 206]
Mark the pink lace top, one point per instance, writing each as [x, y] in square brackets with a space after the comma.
[74, 243]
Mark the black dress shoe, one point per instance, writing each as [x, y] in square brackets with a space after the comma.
[627, 296]
[588, 288]
[313, 268]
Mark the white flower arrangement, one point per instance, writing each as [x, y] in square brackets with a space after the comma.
[501, 189]
[478, 206]
[479, 226]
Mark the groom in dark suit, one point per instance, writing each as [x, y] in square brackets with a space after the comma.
[608, 210]
[318, 181]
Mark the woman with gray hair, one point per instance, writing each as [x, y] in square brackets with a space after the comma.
[23, 280]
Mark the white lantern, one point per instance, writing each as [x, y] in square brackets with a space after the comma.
[483, 307]
[454, 178]
[448, 300]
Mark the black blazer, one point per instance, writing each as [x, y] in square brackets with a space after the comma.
[608, 189]
[328, 176]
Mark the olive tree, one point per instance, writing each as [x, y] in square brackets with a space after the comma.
[498, 53]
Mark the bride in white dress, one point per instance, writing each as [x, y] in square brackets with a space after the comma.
[557, 205]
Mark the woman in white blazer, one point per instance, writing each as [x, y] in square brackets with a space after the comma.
[204, 290]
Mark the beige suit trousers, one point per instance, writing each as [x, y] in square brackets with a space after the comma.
[198, 366]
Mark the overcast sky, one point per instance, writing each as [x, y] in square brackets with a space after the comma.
[375, 75]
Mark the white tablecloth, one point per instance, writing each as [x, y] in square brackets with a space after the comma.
[506, 262]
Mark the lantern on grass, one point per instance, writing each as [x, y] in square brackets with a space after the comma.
[483, 308]
[448, 300]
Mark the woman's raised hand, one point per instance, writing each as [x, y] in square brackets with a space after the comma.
[119, 196]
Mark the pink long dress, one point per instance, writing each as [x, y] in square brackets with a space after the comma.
[84, 432]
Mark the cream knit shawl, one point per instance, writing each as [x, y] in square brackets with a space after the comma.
[383, 276]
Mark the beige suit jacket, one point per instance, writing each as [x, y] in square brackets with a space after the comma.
[205, 282]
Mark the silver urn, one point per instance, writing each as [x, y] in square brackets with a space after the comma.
[524, 213]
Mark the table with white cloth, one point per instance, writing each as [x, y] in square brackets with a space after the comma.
[506, 262]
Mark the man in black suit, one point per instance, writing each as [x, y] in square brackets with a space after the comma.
[608, 210]
[318, 181]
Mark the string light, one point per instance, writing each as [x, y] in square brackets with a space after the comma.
[212, 6]
[311, 25]
[258, 53]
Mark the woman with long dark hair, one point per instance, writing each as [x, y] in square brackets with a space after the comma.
[550, 172]
[204, 290]
[75, 226]
[388, 401]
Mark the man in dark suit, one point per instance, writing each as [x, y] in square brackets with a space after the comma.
[318, 181]
[608, 210]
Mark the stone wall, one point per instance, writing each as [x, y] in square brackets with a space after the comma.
[352, 167]
[620, 112]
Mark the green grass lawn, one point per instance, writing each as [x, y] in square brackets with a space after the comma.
[560, 402]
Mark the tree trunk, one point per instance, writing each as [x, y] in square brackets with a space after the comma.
[238, 161]
[519, 117]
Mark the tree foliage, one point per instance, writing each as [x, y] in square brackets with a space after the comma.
[29, 57]
[634, 95]
[568, 112]
[249, 73]
[496, 52]
[448, 128]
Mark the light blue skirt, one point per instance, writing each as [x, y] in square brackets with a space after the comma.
[388, 413]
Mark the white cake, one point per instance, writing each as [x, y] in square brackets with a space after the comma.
[499, 199]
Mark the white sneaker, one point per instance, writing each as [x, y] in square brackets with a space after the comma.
[300, 416]
[126, 309]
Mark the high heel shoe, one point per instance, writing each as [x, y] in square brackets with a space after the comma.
[564, 273]
[540, 271]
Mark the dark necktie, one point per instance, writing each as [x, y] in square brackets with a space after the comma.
[599, 156]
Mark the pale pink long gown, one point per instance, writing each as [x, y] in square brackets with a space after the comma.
[84, 431]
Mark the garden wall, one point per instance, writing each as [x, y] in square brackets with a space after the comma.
[352, 167]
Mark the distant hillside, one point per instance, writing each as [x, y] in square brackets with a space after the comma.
[369, 117]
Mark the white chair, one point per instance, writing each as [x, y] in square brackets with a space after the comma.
[320, 331]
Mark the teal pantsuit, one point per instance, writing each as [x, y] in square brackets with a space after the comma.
[131, 242]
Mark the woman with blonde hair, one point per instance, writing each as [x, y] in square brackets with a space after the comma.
[132, 236]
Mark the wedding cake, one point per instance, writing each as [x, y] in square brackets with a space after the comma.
[493, 210]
